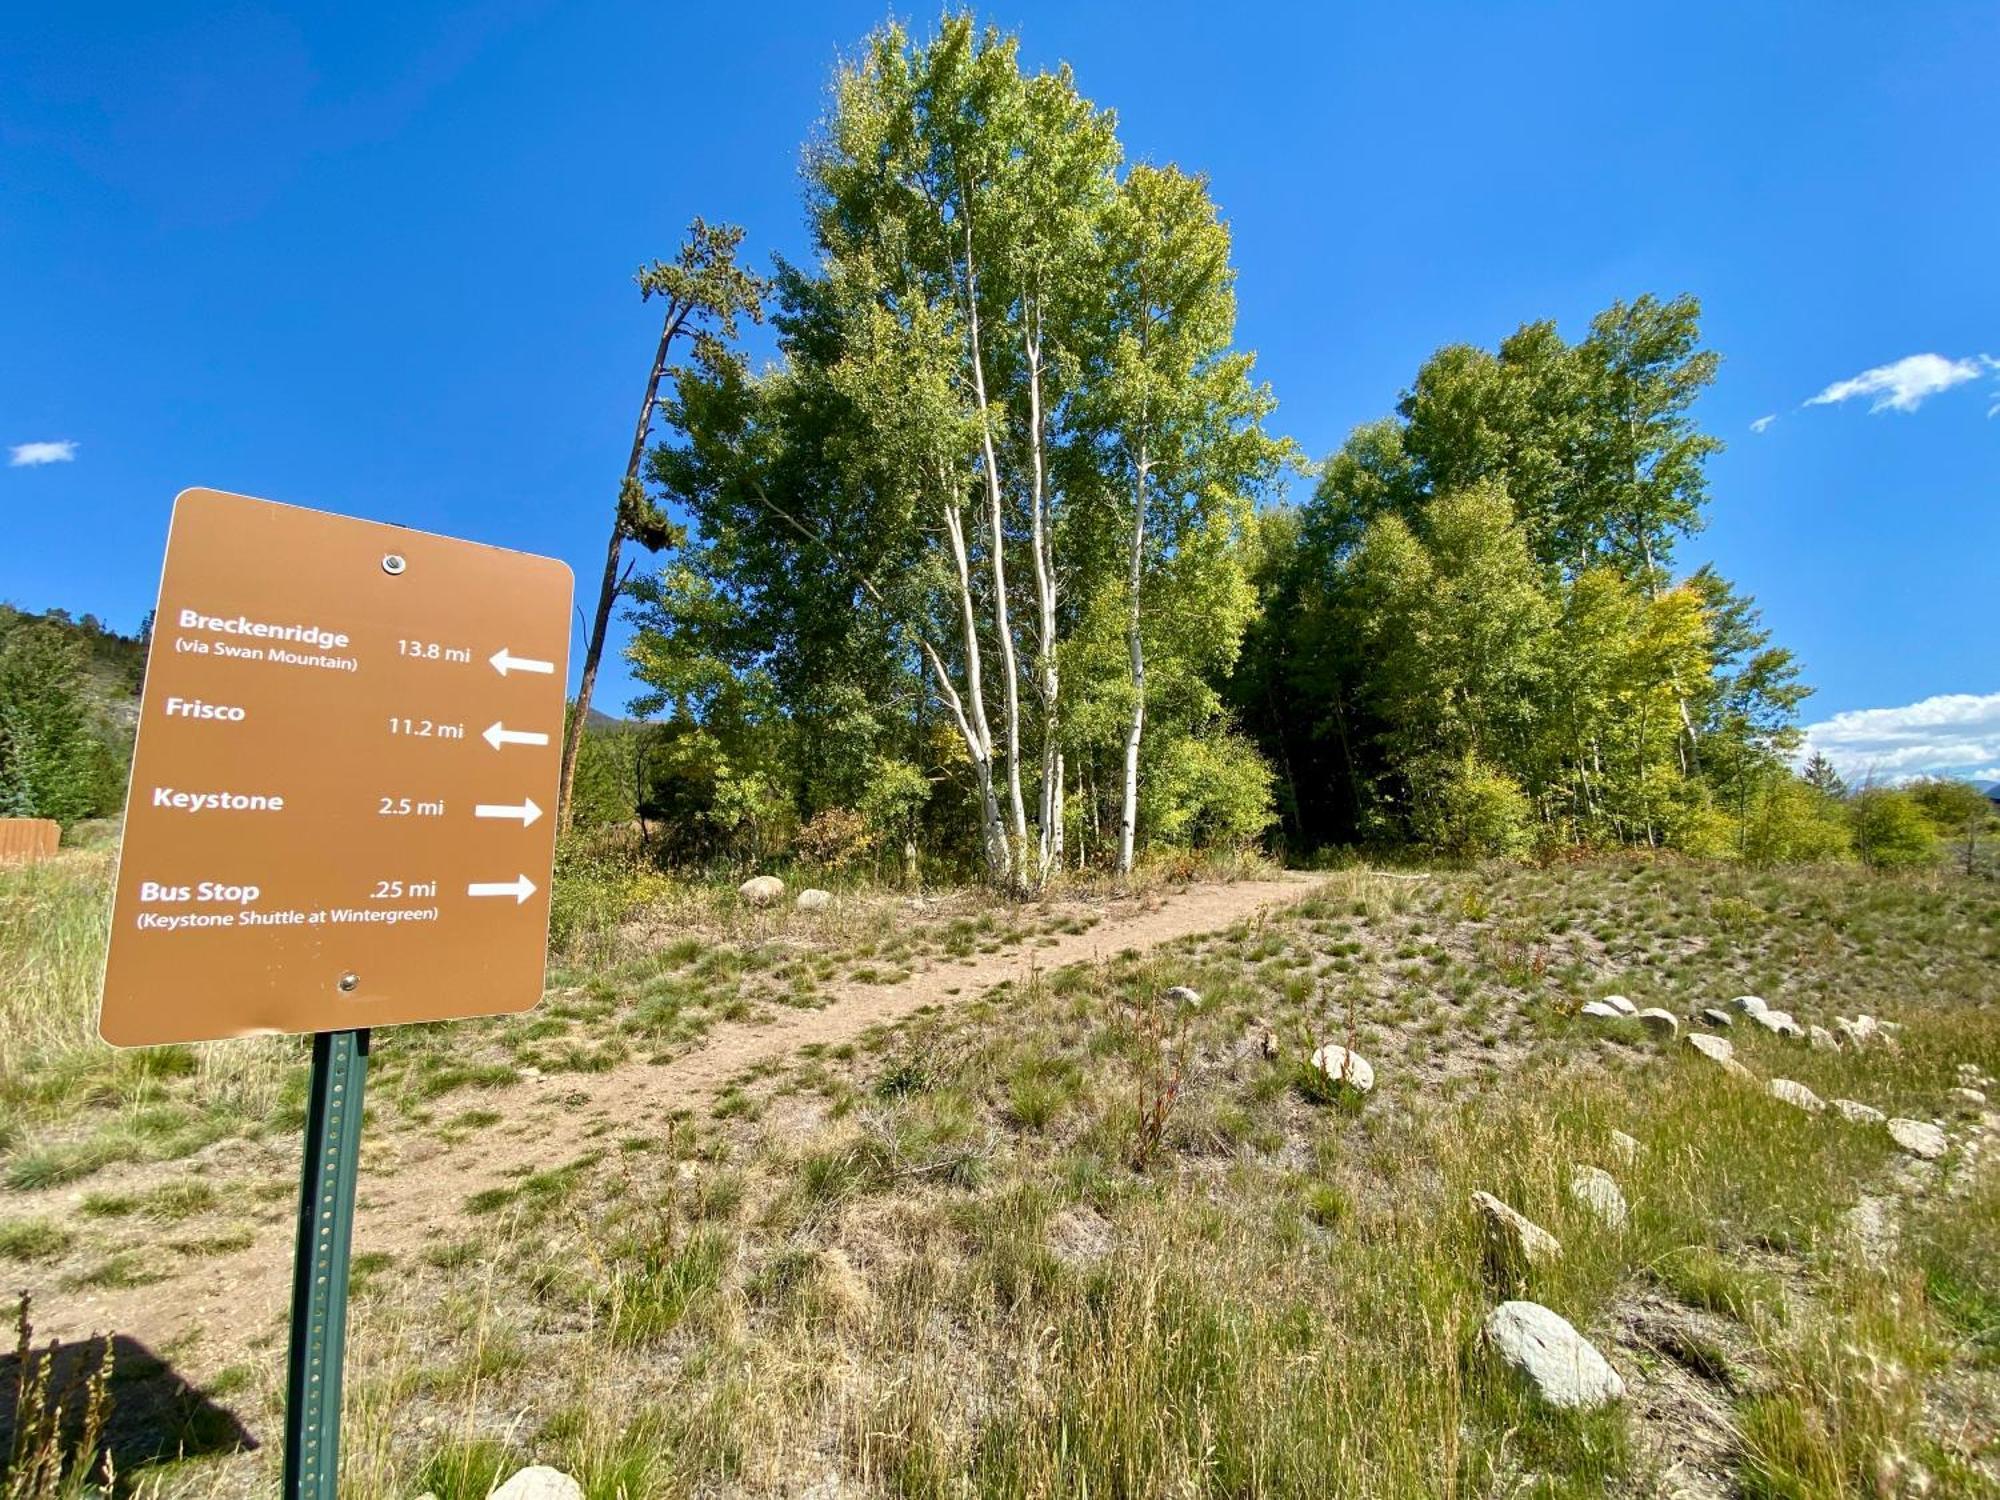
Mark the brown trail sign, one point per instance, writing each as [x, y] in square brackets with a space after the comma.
[341, 816]
[342, 803]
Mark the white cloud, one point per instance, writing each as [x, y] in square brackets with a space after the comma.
[33, 455]
[1953, 734]
[1762, 422]
[1905, 385]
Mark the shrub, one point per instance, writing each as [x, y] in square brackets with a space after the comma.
[1790, 822]
[1958, 811]
[1890, 829]
[1470, 809]
[598, 882]
[834, 838]
[1207, 792]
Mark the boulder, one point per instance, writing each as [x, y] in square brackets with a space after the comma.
[1596, 1190]
[539, 1482]
[1620, 1004]
[1561, 1366]
[1857, 1113]
[1718, 1051]
[1777, 1022]
[1797, 1095]
[1749, 1005]
[1919, 1138]
[1660, 1022]
[1624, 1147]
[1180, 994]
[1858, 1031]
[1715, 1015]
[1513, 1241]
[1348, 1069]
[1600, 1010]
[1968, 1099]
[1821, 1040]
[814, 899]
[761, 890]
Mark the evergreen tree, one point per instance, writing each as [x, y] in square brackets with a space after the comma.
[54, 761]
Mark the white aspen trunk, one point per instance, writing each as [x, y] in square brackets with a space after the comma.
[996, 520]
[972, 721]
[1690, 758]
[1128, 822]
[1049, 847]
[1056, 841]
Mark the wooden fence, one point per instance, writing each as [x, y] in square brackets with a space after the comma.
[23, 841]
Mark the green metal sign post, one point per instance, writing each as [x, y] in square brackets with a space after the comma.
[319, 1270]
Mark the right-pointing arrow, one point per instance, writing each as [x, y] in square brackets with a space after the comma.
[520, 888]
[498, 734]
[526, 810]
[505, 661]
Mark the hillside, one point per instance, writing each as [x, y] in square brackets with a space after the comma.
[969, 1198]
[116, 663]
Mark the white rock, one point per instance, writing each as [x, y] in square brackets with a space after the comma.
[1858, 1113]
[1715, 1015]
[1561, 1365]
[814, 899]
[1181, 994]
[1968, 1098]
[1596, 1190]
[1625, 1147]
[1661, 1023]
[1797, 1095]
[1777, 1022]
[1718, 1051]
[761, 890]
[1350, 1069]
[1821, 1040]
[1620, 1004]
[1749, 1005]
[1515, 1238]
[1857, 1031]
[539, 1483]
[1601, 1010]
[1919, 1138]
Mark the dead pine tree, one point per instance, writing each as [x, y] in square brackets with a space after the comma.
[705, 292]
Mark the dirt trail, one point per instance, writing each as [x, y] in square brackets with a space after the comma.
[413, 1189]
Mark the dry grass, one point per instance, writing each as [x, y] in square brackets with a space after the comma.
[973, 1256]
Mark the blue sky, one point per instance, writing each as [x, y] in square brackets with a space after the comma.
[378, 259]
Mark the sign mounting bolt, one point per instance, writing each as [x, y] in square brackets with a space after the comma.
[393, 564]
[349, 982]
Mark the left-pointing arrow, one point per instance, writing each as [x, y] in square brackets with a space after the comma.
[520, 888]
[525, 811]
[498, 734]
[504, 661]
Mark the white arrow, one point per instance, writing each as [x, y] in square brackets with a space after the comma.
[520, 888]
[498, 734]
[505, 661]
[527, 812]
